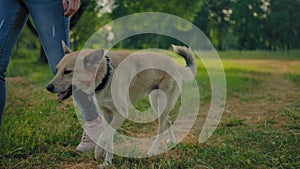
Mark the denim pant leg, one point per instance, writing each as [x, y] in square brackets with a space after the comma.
[52, 27]
[13, 16]
[88, 106]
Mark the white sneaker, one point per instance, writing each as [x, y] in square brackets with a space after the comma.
[91, 133]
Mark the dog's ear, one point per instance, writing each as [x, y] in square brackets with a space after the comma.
[93, 60]
[65, 47]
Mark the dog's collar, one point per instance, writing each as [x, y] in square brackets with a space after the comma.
[107, 76]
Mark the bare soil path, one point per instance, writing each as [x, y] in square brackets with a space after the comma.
[277, 99]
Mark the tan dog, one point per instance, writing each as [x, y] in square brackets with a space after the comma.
[94, 73]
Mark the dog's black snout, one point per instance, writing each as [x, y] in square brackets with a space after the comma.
[50, 87]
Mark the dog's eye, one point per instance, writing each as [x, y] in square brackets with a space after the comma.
[67, 72]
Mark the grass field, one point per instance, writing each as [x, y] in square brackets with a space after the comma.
[260, 127]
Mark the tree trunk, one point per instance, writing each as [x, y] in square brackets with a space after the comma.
[220, 38]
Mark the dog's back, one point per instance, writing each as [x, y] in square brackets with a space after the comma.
[150, 70]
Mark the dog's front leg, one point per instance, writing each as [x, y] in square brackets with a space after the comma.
[101, 145]
[109, 152]
[105, 142]
[105, 145]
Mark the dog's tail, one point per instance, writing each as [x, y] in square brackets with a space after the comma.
[188, 56]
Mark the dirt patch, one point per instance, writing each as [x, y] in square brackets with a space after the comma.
[271, 66]
[79, 165]
[18, 81]
[268, 104]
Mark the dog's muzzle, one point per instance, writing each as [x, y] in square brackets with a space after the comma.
[50, 87]
[61, 95]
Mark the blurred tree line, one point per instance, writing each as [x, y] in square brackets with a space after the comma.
[229, 24]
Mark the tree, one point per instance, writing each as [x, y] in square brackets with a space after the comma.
[184, 9]
[219, 14]
[283, 24]
[249, 19]
[202, 20]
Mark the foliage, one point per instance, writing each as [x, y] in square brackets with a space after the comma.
[283, 24]
[252, 24]
[229, 24]
[186, 10]
[89, 23]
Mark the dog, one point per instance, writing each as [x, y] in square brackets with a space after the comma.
[95, 71]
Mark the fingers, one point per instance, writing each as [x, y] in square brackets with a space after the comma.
[71, 7]
[65, 5]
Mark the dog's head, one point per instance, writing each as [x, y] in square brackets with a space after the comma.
[76, 70]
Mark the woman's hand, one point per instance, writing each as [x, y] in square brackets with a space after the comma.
[71, 6]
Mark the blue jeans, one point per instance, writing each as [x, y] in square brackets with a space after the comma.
[51, 24]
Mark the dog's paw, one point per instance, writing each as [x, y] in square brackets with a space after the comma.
[104, 165]
[152, 152]
[171, 143]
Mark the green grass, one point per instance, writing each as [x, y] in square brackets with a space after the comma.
[294, 75]
[266, 55]
[39, 132]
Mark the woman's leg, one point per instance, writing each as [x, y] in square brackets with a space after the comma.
[52, 27]
[13, 16]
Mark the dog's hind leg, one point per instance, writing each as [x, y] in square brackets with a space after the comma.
[162, 101]
[158, 102]
[172, 139]
[159, 137]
